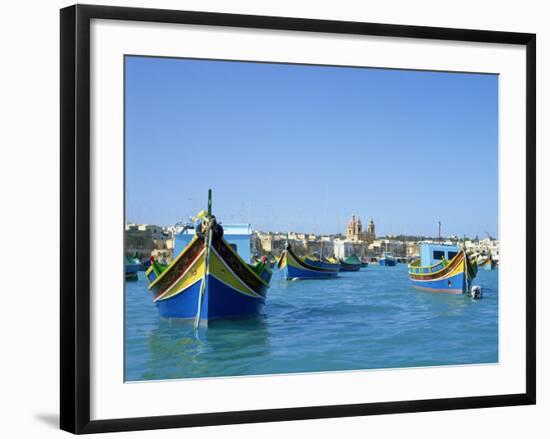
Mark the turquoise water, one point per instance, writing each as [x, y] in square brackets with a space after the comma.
[364, 320]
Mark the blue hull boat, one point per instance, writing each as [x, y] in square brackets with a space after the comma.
[351, 263]
[219, 301]
[294, 267]
[209, 279]
[131, 269]
[442, 268]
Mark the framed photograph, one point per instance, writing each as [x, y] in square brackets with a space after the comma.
[273, 218]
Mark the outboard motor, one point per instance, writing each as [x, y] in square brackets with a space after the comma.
[475, 292]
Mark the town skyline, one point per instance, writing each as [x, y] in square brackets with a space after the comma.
[152, 240]
[331, 233]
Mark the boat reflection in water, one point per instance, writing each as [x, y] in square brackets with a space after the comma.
[176, 350]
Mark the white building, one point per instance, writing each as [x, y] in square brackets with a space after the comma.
[344, 248]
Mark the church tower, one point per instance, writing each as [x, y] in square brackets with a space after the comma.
[354, 229]
[370, 228]
[350, 228]
[358, 229]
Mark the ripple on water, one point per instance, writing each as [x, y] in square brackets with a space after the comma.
[370, 319]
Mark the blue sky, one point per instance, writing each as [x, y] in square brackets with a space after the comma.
[293, 147]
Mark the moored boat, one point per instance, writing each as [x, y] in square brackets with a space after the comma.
[364, 262]
[131, 268]
[387, 260]
[351, 263]
[145, 263]
[442, 268]
[271, 261]
[322, 262]
[154, 269]
[209, 279]
[294, 267]
[486, 263]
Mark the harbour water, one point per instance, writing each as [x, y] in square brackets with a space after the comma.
[363, 320]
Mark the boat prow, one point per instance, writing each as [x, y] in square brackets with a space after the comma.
[209, 280]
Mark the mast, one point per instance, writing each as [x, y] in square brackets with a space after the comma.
[208, 243]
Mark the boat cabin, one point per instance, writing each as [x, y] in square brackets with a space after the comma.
[237, 235]
[431, 254]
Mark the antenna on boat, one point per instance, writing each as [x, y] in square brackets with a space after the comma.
[324, 216]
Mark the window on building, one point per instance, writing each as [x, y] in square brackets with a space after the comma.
[438, 255]
[451, 255]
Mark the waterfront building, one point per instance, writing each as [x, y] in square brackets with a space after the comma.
[316, 245]
[486, 247]
[142, 239]
[380, 246]
[371, 232]
[255, 243]
[268, 243]
[413, 250]
[355, 233]
[344, 248]
[353, 229]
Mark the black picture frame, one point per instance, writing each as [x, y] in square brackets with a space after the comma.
[75, 217]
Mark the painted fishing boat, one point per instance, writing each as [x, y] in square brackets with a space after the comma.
[209, 279]
[131, 268]
[322, 262]
[486, 263]
[154, 269]
[294, 267]
[271, 261]
[442, 268]
[136, 260]
[351, 263]
[387, 260]
[364, 262]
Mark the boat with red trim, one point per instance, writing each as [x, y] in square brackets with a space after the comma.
[209, 279]
[442, 268]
